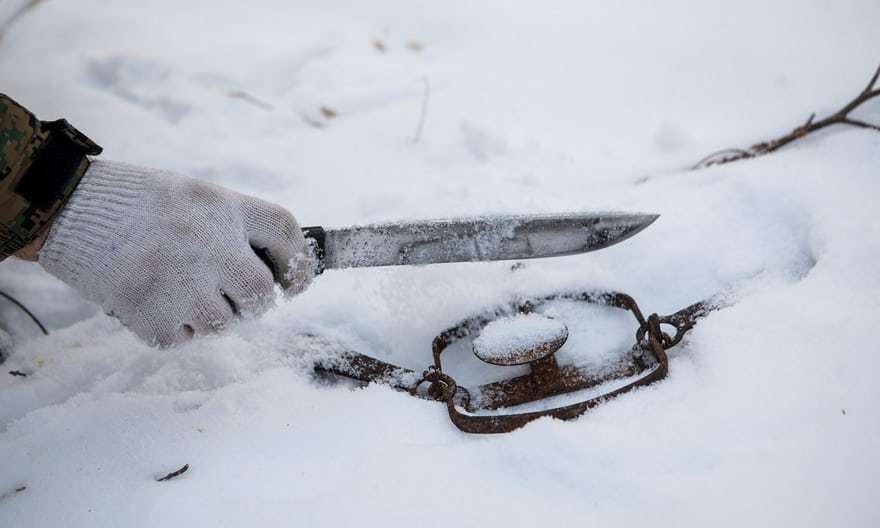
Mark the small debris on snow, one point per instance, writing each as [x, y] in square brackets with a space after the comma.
[174, 474]
[244, 96]
[8, 494]
[312, 121]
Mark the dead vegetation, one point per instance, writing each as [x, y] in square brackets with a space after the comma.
[174, 474]
[841, 117]
[23, 10]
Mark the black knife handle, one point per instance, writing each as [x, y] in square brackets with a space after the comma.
[315, 239]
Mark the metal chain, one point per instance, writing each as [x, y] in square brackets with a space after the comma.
[648, 354]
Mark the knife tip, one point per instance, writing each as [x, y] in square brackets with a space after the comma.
[644, 219]
[641, 221]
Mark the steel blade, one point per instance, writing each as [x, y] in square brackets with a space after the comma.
[478, 239]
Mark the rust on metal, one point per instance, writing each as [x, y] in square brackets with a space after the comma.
[645, 363]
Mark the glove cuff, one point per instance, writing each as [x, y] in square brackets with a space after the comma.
[88, 229]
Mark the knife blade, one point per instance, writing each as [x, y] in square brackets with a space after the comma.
[475, 239]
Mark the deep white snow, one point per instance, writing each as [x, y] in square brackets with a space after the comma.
[769, 415]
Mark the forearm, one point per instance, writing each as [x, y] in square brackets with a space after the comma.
[41, 164]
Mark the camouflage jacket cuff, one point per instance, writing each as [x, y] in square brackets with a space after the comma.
[40, 165]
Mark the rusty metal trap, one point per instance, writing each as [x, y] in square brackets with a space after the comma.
[519, 336]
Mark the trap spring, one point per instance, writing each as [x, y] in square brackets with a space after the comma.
[645, 363]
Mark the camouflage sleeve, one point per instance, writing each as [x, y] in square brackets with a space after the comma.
[40, 165]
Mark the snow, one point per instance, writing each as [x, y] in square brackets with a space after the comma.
[506, 341]
[768, 415]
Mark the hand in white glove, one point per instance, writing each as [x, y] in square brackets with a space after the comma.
[172, 256]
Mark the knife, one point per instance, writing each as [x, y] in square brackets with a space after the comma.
[475, 239]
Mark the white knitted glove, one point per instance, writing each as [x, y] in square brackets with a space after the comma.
[172, 256]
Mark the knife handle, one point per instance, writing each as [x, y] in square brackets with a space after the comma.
[315, 239]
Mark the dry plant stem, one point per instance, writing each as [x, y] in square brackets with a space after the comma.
[17, 15]
[424, 113]
[12, 492]
[841, 117]
[174, 474]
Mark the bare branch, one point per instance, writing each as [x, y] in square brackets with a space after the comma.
[841, 117]
[871, 84]
[861, 124]
[722, 156]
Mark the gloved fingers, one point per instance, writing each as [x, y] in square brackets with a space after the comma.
[211, 313]
[247, 283]
[163, 331]
[277, 239]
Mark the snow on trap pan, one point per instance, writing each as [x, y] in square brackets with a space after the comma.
[520, 339]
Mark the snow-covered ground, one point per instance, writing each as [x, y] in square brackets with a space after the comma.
[768, 417]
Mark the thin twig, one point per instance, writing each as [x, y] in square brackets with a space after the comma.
[15, 491]
[18, 373]
[17, 15]
[424, 113]
[174, 474]
[248, 98]
[841, 117]
[731, 154]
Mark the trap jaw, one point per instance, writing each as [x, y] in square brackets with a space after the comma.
[645, 363]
